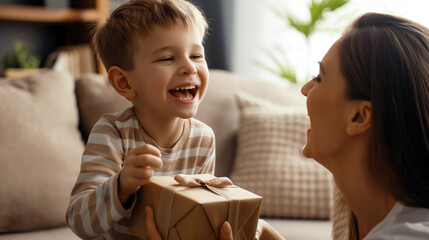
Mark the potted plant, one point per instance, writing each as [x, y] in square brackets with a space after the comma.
[279, 64]
[20, 61]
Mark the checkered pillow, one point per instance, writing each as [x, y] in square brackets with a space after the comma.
[269, 161]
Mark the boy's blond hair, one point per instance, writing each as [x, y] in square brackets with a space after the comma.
[114, 41]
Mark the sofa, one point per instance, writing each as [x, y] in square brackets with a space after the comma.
[259, 127]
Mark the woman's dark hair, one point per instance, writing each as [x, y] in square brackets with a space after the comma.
[385, 60]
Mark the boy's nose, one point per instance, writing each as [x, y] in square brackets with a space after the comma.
[307, 87]
[188, 68]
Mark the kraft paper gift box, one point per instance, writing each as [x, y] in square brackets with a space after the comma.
[184, 212]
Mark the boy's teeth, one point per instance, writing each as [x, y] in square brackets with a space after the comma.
[187, 98]
[185, 88]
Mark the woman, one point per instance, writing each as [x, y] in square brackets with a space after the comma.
[369, 115]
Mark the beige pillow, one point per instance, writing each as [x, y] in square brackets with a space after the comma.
[96, 97]
[219, 109]
[40, 150]
[269, 161]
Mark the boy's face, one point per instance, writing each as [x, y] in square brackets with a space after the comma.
[170, 74]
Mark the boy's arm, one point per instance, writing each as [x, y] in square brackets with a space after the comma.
[94, 205]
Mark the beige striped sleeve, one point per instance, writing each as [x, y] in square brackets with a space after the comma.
[94, 205]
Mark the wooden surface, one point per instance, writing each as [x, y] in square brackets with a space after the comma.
[46, 15]
[90, 12]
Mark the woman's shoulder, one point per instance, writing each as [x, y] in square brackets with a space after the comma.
[403, 222]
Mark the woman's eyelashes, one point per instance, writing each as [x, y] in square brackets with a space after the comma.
[317, 78]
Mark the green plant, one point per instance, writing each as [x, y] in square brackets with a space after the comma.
[317, 10]
[281, 66]
[21, 56]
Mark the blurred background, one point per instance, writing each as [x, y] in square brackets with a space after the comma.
[276, 40]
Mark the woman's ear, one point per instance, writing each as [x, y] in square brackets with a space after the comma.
[361, 118]
[119, 82]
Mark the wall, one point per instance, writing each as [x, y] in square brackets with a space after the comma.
[258, 28]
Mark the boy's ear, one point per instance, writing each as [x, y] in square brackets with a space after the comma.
[119, 82]
[360, 120]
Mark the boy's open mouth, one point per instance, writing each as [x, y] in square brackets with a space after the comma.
[184, 93]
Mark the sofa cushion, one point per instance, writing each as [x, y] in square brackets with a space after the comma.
[61, 233]
[220, 111]
[269, 161]
[40, 152]
[96, 97]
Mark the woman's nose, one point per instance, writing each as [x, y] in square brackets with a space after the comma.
[307, 87]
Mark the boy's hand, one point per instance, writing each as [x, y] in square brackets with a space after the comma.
[137, 170]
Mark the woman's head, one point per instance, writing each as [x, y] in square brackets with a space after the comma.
[385, 60]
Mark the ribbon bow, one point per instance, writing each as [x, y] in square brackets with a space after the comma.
[192, 181]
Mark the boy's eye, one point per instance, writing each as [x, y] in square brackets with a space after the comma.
[317, 78]
[196, 56]
[166, 59]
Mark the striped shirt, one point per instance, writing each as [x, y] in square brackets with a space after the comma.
[95, 211]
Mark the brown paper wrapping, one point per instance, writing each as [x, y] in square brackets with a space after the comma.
[185, 213]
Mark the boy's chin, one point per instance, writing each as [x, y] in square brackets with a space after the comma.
[187, 115]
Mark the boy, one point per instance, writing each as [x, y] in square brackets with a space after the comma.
[152, 50]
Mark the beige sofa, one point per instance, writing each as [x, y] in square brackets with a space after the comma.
[42, 142]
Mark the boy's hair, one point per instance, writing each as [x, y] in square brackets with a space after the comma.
[114, 41]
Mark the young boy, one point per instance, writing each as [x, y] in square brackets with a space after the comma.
[152, 50]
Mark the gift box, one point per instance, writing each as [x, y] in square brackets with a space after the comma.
[195, 206]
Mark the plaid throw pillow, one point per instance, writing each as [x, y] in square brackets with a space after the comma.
[269, 161]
